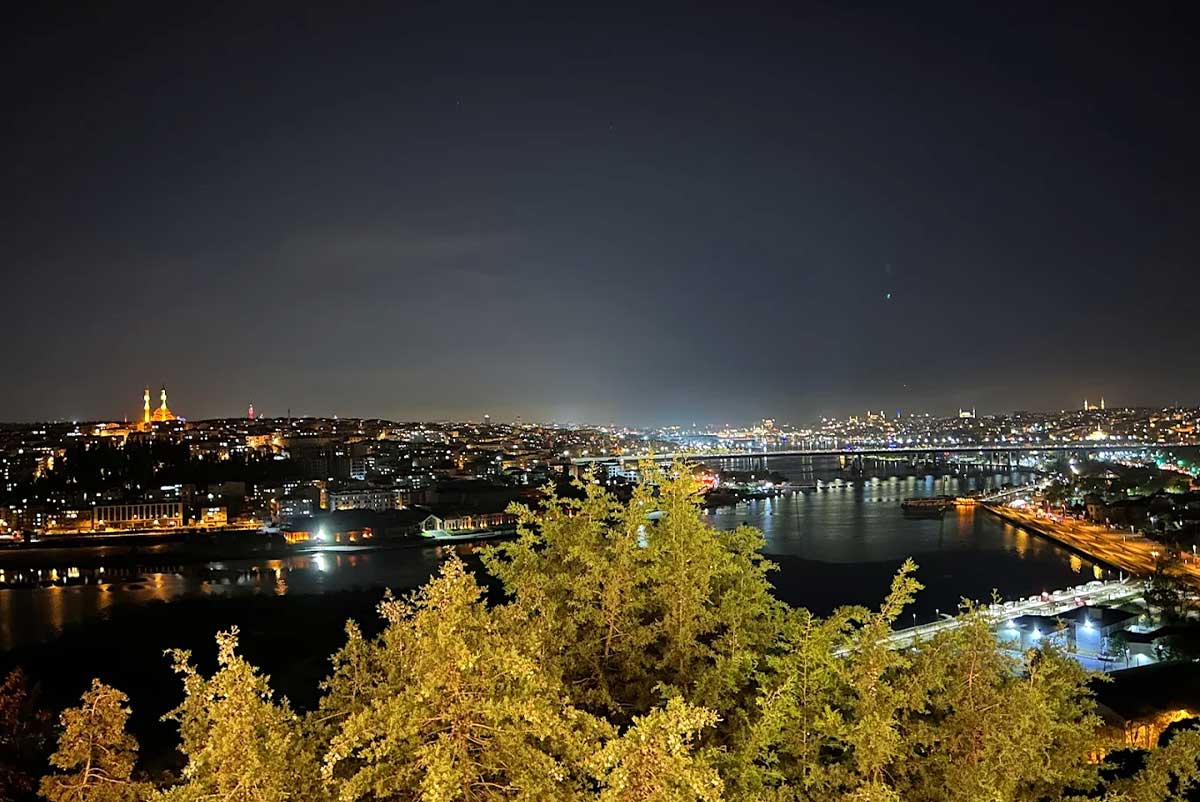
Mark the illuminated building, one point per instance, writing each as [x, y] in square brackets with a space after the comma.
[367, 499]
[161, 415]
[153, 515]
[296, 508]
[214, 516]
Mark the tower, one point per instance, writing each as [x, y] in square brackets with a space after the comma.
[250, 412]
[146, 407]
[162, 395]
[1101, 402]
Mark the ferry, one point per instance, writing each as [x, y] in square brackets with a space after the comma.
[934, 506]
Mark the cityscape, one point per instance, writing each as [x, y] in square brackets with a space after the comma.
[165, 473]
[573, 402]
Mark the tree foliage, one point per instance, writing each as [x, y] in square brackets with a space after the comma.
[95, 754]
[240, 745]
[641, 601]
[24, 731]
[451, 703]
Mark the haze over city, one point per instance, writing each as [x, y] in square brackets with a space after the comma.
[644, 216]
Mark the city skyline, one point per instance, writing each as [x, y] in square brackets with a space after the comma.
[741, 419]
[598, 215]
[163, 414]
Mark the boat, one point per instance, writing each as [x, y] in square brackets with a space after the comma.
[931, 506]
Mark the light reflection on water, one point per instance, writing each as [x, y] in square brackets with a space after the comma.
[35, 613]
[856, 533]
[833, 546]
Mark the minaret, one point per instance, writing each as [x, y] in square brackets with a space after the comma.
[146, 407]
[1085, 405]
[1101, 402]
[162, 394]
[250, 412]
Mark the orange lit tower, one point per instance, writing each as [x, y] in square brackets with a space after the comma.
[160, 415]
[163, 413]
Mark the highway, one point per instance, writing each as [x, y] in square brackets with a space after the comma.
[1121, 550]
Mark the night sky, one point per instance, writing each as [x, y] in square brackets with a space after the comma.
[439, 211]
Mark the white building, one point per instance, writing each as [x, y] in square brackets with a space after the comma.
[153, 515]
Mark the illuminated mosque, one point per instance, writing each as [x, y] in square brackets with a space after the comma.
[160, 415]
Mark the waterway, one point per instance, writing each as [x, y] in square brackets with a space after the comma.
[842, 544]
[837, 545]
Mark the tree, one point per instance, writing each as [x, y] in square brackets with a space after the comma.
[451, 704]
[95, 753]
[643, 600]
[240, 745]
[1171, 774]
[827, 718]
[582, 563]
[1057, 494]
[655, 760]
[24, 734]
[992, 727]
[1165, 590]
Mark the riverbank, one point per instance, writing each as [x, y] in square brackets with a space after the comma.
[46, 564]
[1118, 550]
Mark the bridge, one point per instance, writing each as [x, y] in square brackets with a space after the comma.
[1010, 451]
[1006, 494]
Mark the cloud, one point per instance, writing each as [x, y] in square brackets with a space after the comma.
[371, 252]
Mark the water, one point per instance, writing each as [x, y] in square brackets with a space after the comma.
[836, 546]
[842, 544]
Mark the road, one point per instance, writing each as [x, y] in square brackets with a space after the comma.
[1121, 550]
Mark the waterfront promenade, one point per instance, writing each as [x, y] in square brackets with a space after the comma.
[1113, 547]
[1059, 601]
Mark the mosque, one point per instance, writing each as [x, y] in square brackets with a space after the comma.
[161, 415]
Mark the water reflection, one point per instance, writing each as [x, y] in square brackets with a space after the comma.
[857, 532]
[38, 609]
[837, 545]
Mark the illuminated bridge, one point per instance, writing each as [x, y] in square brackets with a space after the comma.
[996, 453]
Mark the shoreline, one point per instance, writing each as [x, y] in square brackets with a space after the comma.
[1135, 555]
[157, 556]
[1046, 532]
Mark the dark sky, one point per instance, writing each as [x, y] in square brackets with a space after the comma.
[441, 210]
